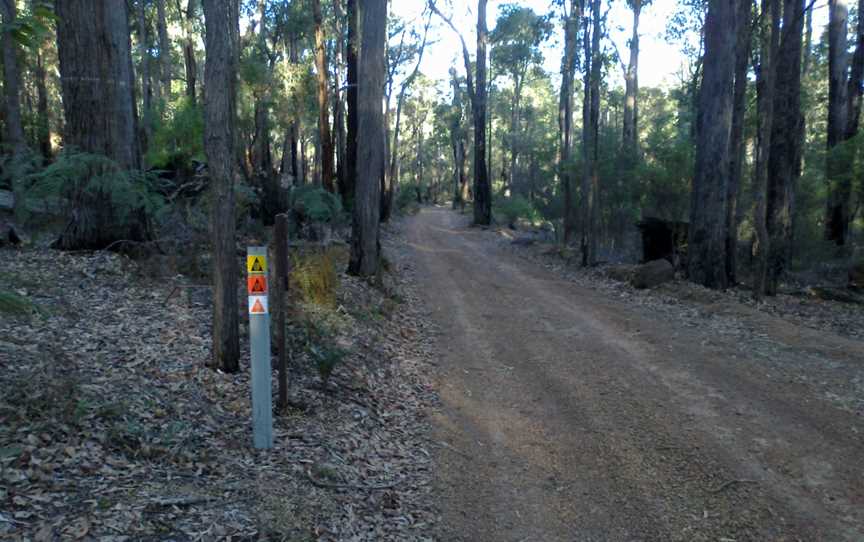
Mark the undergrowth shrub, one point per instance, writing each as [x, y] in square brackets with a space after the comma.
[515, 207]
[12, 304]
[316, 204]
[314, 276]
[406, 199]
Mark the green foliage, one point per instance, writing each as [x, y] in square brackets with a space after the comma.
[12, 304]
[179, 140]
[316, 204]
[77, 174]
[515, 207]
[406, 199]
[314, 276]
[326, 358]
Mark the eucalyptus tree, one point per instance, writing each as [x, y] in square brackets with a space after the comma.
[570, 19]
[516, 41]
[13, 135]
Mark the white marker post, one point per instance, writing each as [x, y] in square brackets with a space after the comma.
[259, 341]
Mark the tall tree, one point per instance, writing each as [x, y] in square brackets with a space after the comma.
[222, 32]
[769, 39]
[565, 109]
[707, 239]
[387, 198]
[324, 135]
[515, 48]
[845, 85]
[365, 245]
[146, 83]
[590, 129]
[98, 102]
[351, 61]
[187, 17]
[482, 186]
[165, 61]
[737, 155]
[630, 134]
[458, 136]
[13, 135]
[785, 149]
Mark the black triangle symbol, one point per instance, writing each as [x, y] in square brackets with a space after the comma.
[258, 286]
[256, 265]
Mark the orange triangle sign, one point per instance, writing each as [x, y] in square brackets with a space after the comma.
[257, 308]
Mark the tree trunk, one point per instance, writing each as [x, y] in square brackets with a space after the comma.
[189, 49]
[220, 77]
[457, 141]
[708, 206]
[365, 246]
[13, 135]
[326, 140]
[99, 106]
[43, 115]
[765, 76]
[164, 52]
[590, 146]
[736, 142]
[630, 135]
[146, 86]
[482, 186]
[785, 146]
[565, 112]
[338, 102]
[351, 57]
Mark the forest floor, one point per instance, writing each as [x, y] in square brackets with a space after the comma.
[112, 428]
[576, 408]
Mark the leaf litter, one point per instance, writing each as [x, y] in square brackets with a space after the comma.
[112, 427]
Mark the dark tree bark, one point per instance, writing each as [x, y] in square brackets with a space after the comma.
[188, 17]
[785, 145]
[630, 134]
[338, 101]
[351, 57]
[220, 78]
[708, 205]
[744, 36]
[325, 138]
[43, 123]
[13, 135]
[565, 112]
[482, 186]
[290, 161]
[99, 106]
[844, 105]
[765, 76]
[590, 129]
[365, 246]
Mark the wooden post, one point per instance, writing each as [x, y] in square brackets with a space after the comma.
[280, 307]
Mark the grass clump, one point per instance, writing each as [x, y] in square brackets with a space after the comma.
[315, 278]
[12, 304]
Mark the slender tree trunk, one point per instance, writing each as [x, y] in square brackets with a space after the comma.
[765, 76]
[146, 86]
[482, 186]
[338, 102]
[43, 115]
[187, 18]
[365, 246]
[514, 131]
[351, 60]
[708, 206]
[220, 75]
[736, 142]
[630, 135]
[590, 130]
[785, 144]
[13, 135]
[565, 112]
[325, 139]
[457, 140]
[165, 63]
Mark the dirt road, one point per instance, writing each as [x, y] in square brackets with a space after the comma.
[570, 415]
